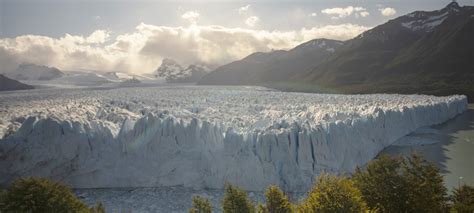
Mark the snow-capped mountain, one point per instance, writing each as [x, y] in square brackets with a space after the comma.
[33, 72]
[427, 21]
[409, 54]
[173, 72]
[10, 84]
[276, 65]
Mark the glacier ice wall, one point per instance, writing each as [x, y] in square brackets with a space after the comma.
[204, 137]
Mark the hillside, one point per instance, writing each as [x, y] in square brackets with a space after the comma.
[272, 66]
[429, 52]
[7, 84]
[422, 52]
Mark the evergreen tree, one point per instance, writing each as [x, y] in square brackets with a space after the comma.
[201, 205]
[333, 194]
[463, 199]
[236, 201]
[276, 201]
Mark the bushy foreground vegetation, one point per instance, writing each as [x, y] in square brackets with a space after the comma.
[387, 184]
[42, 195]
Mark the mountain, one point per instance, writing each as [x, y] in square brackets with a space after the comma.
[422, 52]
[274, 66]
[33, 72]
[10, 84]
[429, 52]
[173, 72]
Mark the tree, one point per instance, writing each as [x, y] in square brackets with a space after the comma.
[333, 194]
[236, 201]
[425, 183]
[40, 195]
[463, 199]
[201, 205]
[396, 184]
[277, 201]
[382, 184]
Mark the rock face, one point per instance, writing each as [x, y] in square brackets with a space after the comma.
[10, 84]
[204, 137]
[173, 72]
[33, 72]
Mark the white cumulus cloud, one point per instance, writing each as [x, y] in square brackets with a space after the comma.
[244, 9]
[342, 12]
[252, 21]
[388, 11]
[191, 16]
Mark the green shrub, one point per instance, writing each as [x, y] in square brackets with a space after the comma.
[276, 201]
[40, 195]
[396, 184]
[200, 205]
[463, 199]
[333, 194]
[236, 201]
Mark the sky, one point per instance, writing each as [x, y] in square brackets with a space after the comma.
[135, 35]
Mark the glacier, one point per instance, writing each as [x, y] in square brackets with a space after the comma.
[203, 137]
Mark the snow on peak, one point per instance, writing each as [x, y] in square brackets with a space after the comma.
[172, 71]
[28, 71]
[424, 22]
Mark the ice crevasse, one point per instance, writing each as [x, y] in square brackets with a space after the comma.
[161, 148]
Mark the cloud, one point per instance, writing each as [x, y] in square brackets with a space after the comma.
[244, 9]
[142, 50]
[364, 14]
[252, 21]
[98, 37]
[313, 14]
[388, 11]
[191, 16]
[340, 12]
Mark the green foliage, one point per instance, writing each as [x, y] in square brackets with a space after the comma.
[40, 195]
[463, 199]
[277, 202]
[381, 184]
[201, 205]
[396, 184]
[333, 194]
[425, 184]
[236, 201]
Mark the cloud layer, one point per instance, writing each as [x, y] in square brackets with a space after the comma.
[142, 50]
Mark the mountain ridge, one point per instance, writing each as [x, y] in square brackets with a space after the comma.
[429, 52]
